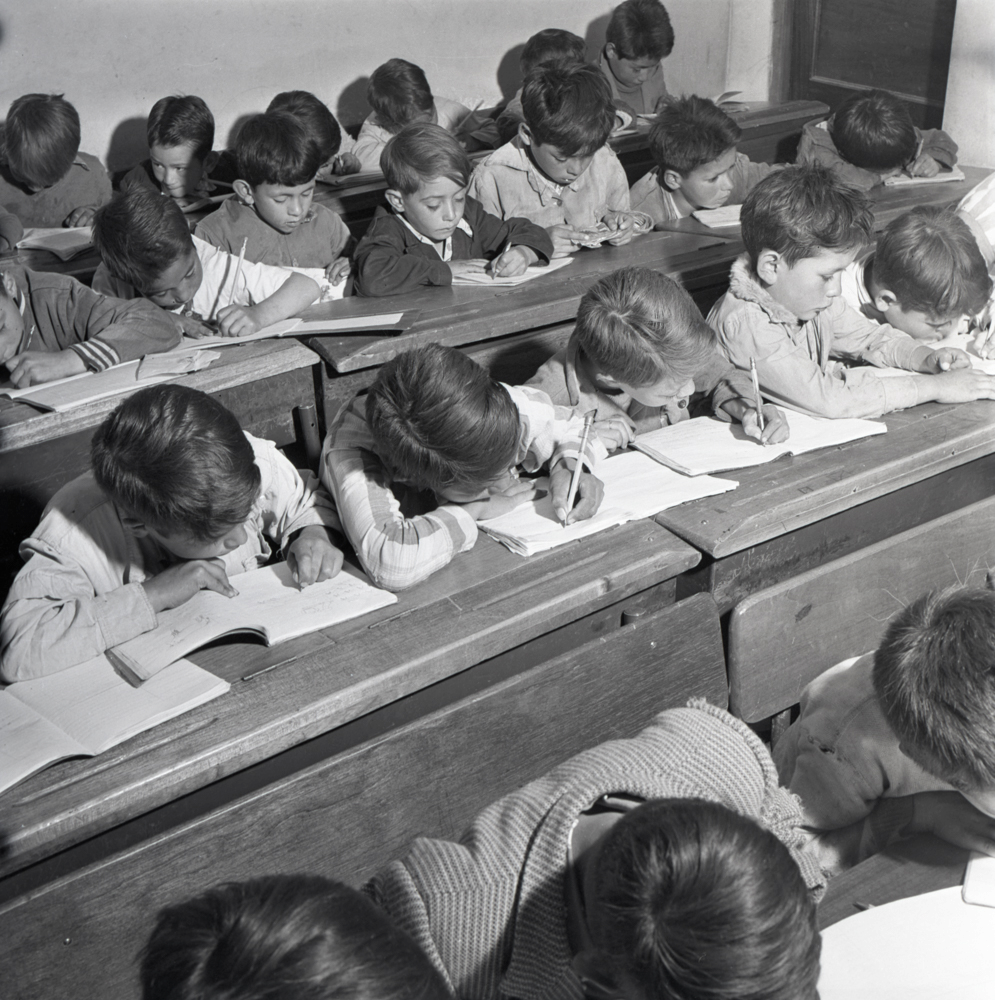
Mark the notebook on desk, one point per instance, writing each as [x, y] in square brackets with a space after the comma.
[532, 272]
[296, 327]
[943, 177]
[65, 243]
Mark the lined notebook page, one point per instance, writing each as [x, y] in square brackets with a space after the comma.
[534, 271]
[64, 243]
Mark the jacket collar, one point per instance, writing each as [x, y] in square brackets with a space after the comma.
[515, 156]
[745, 285]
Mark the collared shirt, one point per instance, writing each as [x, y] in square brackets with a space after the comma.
[643, 98]
[85, 185]
[446, 251]
[373, 136]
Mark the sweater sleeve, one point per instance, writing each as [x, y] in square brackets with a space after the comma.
[617, 187]
[939, 145]
[494, 235]
[816, 146]
[384, 267]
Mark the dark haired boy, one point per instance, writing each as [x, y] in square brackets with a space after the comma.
[334, 146]
[870, 137]
[435, 447]
[693, 143]
[430, 229]
[44, 179]
[638, 37]
[802, 228]
[178, 499]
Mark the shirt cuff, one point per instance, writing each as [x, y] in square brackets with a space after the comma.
[900, 393]
[96, 355]
[123, 613]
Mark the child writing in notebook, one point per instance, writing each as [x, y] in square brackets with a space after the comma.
[179, 498]
[902, 740]
[436, 446]
[638, 37]
[334, 145]
[642, 356]
[430, 231]
[802, 228]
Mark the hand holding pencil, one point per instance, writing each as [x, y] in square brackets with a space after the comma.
[567, 486]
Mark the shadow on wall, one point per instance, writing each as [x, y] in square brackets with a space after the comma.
[128, 145]
[595, 36]
[509, 72]
[352, 107]
[236, 127]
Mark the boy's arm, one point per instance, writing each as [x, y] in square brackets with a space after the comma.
[552, 433]
[617, 185]
[746, 175]
[494, 234]
[383, 267]
[483, 189]
[816, 146]
[273, 294]
[858, 338]
[369, 145]
[939, 145]
[11, 230]
[725, 382]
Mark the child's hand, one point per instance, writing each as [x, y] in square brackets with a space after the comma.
[945, 359]
[459, 267]
[501, 501]
[346, 163]
[564, 239]
[923, 166]
[961, 386]
[193, 327]
[590, 493]
[984, 340]
[621, 224]
[775, 430]
[949, 816]
[176, 585]
[35, 367]
[312, 558]
[338, 270]
[616, 432]
[237, 321]
[80, 216]
[513, 262]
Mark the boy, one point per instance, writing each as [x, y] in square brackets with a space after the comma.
[665, 865]
[44, 179]
[52, 326]
[558, 171]
[802, 227]
[178, 499]
[638, 37]
[642, 356]
[273, 210]
[693, 143]
[871, 136]
[146, 249]
[902, 740]
[431, 231]
[434, 447]
[334, 145]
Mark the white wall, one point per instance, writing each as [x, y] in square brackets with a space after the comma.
[969, 112]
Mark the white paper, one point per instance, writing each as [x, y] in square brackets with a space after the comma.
[532, 272]
[299, 328]
[944, 176]
[979, 880]
[718, 218]
[66, 393]
[65, 243]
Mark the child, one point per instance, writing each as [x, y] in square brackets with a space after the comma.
[926, 277]
[902, 740]
[52, 326]
[637, 38]
[146, 249]
[665, 865]
[273, 208]
[642, 356]
[296, 937]
[802, 227]
[431, 230]
[334, 145]
[558, 171]
[693, 143]
[44, 179]
[179, 498]
[871, 137]
[434, 423]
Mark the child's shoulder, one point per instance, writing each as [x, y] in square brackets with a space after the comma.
[79, 508]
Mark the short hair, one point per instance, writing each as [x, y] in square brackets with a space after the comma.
[934, 675]
[641, 29]
[297, 937]
[695, 900]
[637, 326]
[275, 148]
[551, 45]
[41, 138]
[421, 152]
[440, 421]
[179, 121]
[569, 107]
[399, 94]
[800, 211]
[930, 260]
[689, 132]
[177, 459]
[873, 129]
[139, 234]
[314, 115]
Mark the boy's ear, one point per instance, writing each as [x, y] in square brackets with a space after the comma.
[396, 200]
[769, 264]
[9, 285]
[610, 50]
[526, 133]
[884, 299]
[671, 180]
[211, 161]
[244, 191]
[135, 525]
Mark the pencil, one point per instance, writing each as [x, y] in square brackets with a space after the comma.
[238, 270]
[575, 478]
[756, 394]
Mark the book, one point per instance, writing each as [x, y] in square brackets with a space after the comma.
[705, 444]
[531, 272]
[295, 327]
[943, 177]
[65, 243]
[87, 709]
[635, 487]
[268, 604]
[718, 218]
[979, 880]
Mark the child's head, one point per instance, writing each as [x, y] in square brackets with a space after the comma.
[694, 144]
[934, 675]
[41, 139]
[551, 45]
[399, 94]
[179, 468]
[11, 319]
[638, 36]
[802, 227]
[144, 239]
[320, 123]
[181, 144]
[643, 333]
[928, 276]
[694, 900]
[277, 166]
[441, 423]
[297, 937]
[568, 115]
[873, 129]
[427, 172]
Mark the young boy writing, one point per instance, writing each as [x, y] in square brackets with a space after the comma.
[334, 145]
[802, 227]
[902, 740]
[434, 423]
[642, 356]
[693, 143]
[44, 179]
[179, 499]
[430, 230]
[638, 37]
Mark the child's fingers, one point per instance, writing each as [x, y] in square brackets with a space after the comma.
[212, 576]
[331, 564]
[591, 492]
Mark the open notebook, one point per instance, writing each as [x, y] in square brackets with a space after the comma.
[268, 604]
[718, 218]
[704, 445]
[488, 280]
[87, 709]
[295, 327]
[943, 177]
[64, 243]
[635, 486]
